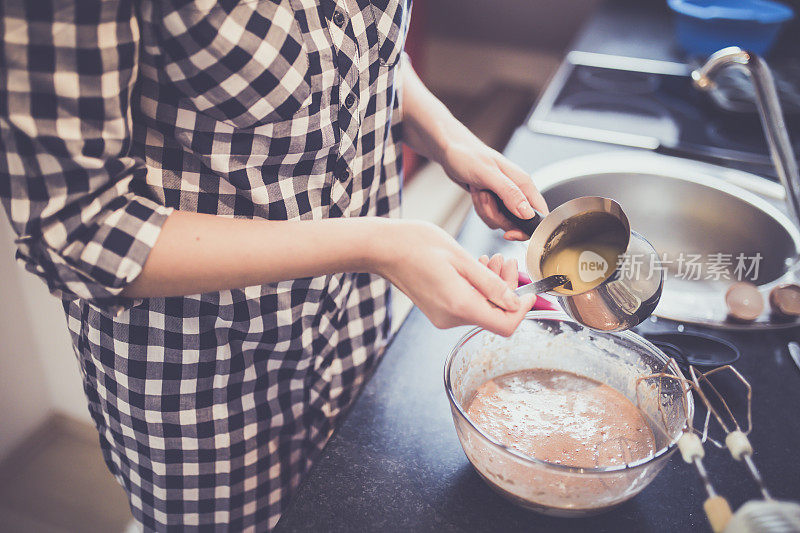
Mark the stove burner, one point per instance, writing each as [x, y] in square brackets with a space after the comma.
[732, 139]
[601, 102]
[642, 114]
[619, 81]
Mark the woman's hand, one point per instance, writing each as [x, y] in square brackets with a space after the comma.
[431, 130]
[447, 284]
[476, 167]
[507, 269]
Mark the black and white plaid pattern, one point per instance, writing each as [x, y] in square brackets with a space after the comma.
[210, 407]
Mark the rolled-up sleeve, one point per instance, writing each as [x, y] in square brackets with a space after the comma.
[73, 193]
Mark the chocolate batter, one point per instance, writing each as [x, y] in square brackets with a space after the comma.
[562, 418]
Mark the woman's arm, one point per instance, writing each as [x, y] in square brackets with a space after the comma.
[201, 253]
[198, 253]
[431, 130]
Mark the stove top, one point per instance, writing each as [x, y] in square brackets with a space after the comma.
[649, 104]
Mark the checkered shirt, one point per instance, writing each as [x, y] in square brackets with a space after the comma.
[210, 407]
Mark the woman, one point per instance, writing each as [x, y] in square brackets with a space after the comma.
[212, 190]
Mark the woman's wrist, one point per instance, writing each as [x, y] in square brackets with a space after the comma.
[451, 132]
[439, 134]
[383, 245]
[428, 129]
[459, 140]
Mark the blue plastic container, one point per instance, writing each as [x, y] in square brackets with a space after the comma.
[704, 26]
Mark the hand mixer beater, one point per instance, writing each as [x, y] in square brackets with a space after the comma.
[766, 515]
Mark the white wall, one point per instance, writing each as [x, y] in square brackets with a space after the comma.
[38, 370]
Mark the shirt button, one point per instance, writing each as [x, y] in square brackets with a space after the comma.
[338, 18]
[343, 172]
[349, 101]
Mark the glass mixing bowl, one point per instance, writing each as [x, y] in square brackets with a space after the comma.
[551, 340]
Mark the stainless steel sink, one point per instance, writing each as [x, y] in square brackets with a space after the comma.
[687, 208]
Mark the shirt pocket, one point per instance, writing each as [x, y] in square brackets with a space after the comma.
[245, 65]
[390, 21]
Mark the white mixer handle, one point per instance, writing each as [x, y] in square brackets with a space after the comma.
[766, 516]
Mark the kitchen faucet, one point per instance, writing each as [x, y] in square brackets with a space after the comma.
[769, 110]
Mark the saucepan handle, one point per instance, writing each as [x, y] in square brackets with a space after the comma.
[525, 225]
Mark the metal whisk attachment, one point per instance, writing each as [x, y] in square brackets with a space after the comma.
[756, 516]
[690, 444]
[770, 516]
[767, 515]
[736, 441]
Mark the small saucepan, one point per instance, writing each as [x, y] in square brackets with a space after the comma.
[615, 278]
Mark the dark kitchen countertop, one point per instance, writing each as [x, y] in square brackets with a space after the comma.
[395, 462]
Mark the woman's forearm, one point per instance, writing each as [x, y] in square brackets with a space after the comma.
[199, 253]
[428, 126]
[431, 130]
